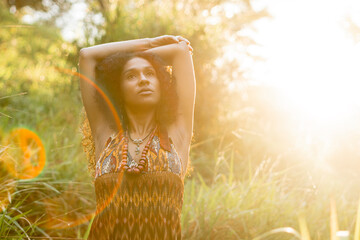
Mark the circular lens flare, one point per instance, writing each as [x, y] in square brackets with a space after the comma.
[57, 219]
[24, 156]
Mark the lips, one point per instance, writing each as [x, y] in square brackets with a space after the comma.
[145, 90]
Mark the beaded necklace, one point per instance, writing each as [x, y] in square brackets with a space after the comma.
[142, 165]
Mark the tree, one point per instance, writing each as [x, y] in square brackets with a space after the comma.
[54, 9]
[30, 53]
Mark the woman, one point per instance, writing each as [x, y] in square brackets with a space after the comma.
[141, 163]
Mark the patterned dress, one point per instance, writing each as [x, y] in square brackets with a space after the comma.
[145, 206]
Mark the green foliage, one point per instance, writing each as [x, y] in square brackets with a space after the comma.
[29, 55]
[250, 180]
[29, 80]
[37, 5]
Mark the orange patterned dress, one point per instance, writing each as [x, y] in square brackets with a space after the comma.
[145, 206]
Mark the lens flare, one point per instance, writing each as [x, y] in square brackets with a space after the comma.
[98, 89]
[56, 218]
[24, 158]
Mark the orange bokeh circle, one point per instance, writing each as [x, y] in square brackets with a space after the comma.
[25, 155]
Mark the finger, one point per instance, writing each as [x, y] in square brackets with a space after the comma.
[187, 41]
[170, 38]
[174, 38]
[190, 47]
[178, 38]
[183, 39]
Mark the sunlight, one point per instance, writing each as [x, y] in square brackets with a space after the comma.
[312, 61]
[312, 58]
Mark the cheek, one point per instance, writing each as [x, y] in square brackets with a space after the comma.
[158, 88]
[126, 91]
[128, 87]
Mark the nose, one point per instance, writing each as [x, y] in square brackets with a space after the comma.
[143, 79]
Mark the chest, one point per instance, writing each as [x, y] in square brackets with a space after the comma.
[136, 151]
[158, 159]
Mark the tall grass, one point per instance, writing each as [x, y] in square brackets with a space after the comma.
[268, 204]
[240, 199]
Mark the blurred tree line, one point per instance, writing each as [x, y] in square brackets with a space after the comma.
[29, 83]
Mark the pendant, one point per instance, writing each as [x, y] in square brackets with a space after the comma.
[137, 151]
[133, 164]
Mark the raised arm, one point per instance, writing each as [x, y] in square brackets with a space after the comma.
[101, 51]
[88, 59]
[178, 55]
[90, 56]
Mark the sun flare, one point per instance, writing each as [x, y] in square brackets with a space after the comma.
[312, 58]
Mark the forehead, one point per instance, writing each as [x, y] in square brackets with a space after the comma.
[137, 63]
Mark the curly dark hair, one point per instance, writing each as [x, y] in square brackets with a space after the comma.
[108, 74]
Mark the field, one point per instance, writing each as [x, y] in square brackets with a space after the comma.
[262, 166]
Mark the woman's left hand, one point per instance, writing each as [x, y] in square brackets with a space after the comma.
[168, 39]
[162, 40]
[180, 38]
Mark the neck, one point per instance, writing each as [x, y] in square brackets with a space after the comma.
[140, 121]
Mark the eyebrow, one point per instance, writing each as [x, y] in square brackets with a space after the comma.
[134, 69]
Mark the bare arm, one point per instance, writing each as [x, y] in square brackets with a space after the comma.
[88, 59]
[101, 51]
[164, 46]
[179, 57]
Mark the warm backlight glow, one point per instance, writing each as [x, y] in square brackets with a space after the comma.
[312, 58]
[55, 219]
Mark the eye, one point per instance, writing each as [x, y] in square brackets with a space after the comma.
[150, 73]
[130, 76]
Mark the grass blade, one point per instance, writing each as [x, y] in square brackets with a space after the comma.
[357, 225]
[304, 231]
[334, 227]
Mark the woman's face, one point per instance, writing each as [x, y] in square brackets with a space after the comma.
[140, 85]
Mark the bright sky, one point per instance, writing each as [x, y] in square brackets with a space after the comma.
[310, 55]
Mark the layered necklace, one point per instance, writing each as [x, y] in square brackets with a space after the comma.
[136, 168]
